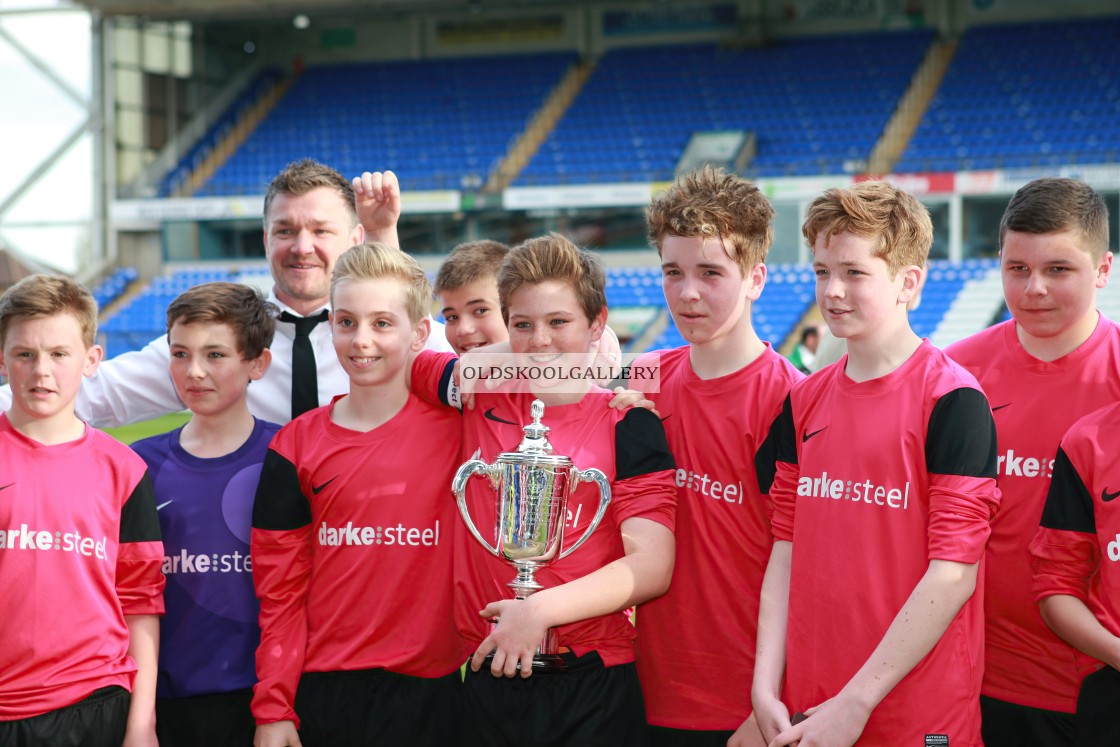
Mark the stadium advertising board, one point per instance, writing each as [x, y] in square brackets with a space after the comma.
[131, 214]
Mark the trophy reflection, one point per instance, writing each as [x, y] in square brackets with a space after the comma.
[533, 486]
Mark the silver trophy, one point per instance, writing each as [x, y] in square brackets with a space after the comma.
[533, 486]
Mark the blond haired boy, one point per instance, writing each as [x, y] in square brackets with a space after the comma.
[80, 547]
[884, 490]
[352, 536]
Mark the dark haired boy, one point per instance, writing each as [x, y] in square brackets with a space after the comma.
[1054, 362]
[205, 476]
[467, 288]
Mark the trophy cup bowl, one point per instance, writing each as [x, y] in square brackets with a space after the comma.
[533, 487]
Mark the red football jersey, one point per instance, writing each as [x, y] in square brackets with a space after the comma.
[1034, 403]
[628, 447]
[352, 548]
[875, 479]
[696, 644]
[79, 550]
[1076, 550]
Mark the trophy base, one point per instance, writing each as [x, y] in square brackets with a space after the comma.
[548, 664]
[542, 663]
[545, 660]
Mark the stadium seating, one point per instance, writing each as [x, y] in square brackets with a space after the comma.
[815, 104]
[973, 308]
[818, 105]
[111, 288]
[198, 153]
[789, 292]
[1024, 95]
[145, 317]
[438, 123]
[788, 295]
[944, 283]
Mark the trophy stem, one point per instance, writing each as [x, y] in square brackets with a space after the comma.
[525, 583]
[547, 658]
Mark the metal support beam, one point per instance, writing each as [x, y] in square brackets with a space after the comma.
[45, 165]
[91, 123]
[61, 83]
[100, 248]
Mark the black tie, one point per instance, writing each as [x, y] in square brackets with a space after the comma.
[305, 381]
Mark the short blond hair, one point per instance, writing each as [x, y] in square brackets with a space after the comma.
[373, 261]
[877, 211]
[38, 296]
[712, 204]
[554, 257]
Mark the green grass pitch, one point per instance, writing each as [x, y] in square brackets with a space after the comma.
[129, 433]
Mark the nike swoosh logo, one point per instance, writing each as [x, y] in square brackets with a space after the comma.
[316, 489]
[807, 436]
[489, 415]
[1001, 407]
[7, 486]
[1107, 496]
[162, 506]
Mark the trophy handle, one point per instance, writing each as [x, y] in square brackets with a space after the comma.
[596, 476]
[459, 487]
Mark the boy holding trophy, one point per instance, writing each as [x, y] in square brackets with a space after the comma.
[553, 298]
[352, 536]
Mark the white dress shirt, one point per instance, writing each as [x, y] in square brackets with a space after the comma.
[136, 386]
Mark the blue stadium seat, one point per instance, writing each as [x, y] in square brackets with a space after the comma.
[778, 92]
[434, 122]
[1002, 104]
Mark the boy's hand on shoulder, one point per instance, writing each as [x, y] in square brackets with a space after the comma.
[478, 364]
[624, 399]
[837, 722]
[377, 198]
[513, 640]
[277, 734]
[607, 352]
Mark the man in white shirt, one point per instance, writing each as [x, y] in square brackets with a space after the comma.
[310, 218]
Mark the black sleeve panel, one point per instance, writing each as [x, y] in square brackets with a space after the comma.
[640, 445]
[781, 446]
[139, 520]
[280, 503]
[1069, 506]
[446, 380]
[779, 441]
[961, 439]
